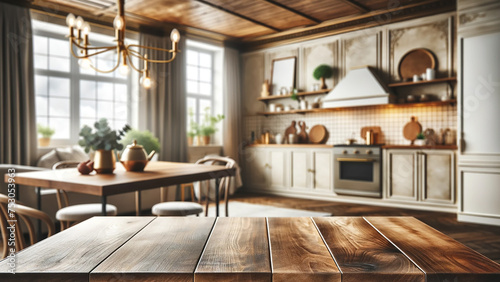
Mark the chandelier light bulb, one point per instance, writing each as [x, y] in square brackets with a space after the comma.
[79, 22]
[70, 20]
[146, 82]
[85, 63]
[175, 35]
[118, 22]
[124, 70]
[85, 28]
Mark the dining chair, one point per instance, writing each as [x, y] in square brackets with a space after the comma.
[176, 208]
[71, 214]
[21, 213]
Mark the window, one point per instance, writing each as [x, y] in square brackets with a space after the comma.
[204, 83]
[199, 83]
[68, 96]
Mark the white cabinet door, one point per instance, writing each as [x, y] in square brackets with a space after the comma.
[481, 193]
[401, 174]
[300, 167]
[481, 94]
[322, 170]
[277, 168]
[437, 176]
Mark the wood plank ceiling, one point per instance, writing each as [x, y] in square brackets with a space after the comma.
[240, 20]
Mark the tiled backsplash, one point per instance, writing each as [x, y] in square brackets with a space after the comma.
[346, 123]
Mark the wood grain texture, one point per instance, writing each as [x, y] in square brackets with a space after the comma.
[363, 254]
[156, 174]
[237, 250]
[298, 251]
[71, 255]
[167, 249]
[439, 256]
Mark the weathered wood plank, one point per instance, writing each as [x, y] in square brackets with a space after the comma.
[167, 249]
[237, 250]
[439, 256]
[298, 251]
[363, 254]
[71, 255]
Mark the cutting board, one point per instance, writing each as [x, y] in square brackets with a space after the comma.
[303, 139]
[318, 134]
[412, 129]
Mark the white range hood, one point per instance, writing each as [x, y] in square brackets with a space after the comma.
[360, 87]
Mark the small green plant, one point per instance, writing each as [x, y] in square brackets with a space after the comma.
[207, 127]
[294, 96]
[421, 136]
[103, 138]
[45, 131]
[194, 127]
[144, 138]
[324, 71]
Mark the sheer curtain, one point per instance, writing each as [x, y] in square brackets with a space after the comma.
[232, 107]
[162, 108]
[18, 139]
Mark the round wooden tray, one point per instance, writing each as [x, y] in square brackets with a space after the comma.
[416, 62]
[318, 134]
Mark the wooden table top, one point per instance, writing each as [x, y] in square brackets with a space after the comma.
[250, 249]
[156, 174]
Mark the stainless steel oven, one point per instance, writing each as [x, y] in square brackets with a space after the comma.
[357, 170]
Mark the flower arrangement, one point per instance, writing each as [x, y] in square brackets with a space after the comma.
[103, 138]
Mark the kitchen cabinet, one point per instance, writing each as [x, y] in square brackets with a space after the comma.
[290, 169]
[312, 170]
[423, 176]
[266, 169]
[479, 97]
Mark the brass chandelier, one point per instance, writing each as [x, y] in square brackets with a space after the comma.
[80, 40]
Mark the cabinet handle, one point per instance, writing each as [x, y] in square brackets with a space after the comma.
[311, 170]
[267, 165]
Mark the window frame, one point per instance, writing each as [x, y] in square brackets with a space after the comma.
[75, 77]
[197, 96]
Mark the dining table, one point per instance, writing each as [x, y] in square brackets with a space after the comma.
[149, 248]
[156, 174]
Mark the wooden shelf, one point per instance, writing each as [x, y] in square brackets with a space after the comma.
[321, 110]
[273, 97]
[411, 83]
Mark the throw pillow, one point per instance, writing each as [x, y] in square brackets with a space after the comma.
[48, 160]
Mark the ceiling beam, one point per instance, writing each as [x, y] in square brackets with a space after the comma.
[356, 5]
[238, 15]
[313, 19]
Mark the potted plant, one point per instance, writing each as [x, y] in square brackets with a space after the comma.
[194, 128]
[46, 133]
[420, 141]
[321, 73]
[144, 138]
[207, 128]
[103, 141]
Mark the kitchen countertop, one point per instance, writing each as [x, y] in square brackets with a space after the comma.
[426, 147]
[291, 146]
[413, 147]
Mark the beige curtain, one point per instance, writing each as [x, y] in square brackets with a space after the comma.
[232, 143]
[162, 108]
[18, 139]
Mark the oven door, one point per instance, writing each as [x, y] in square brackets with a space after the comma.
[358, 176]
